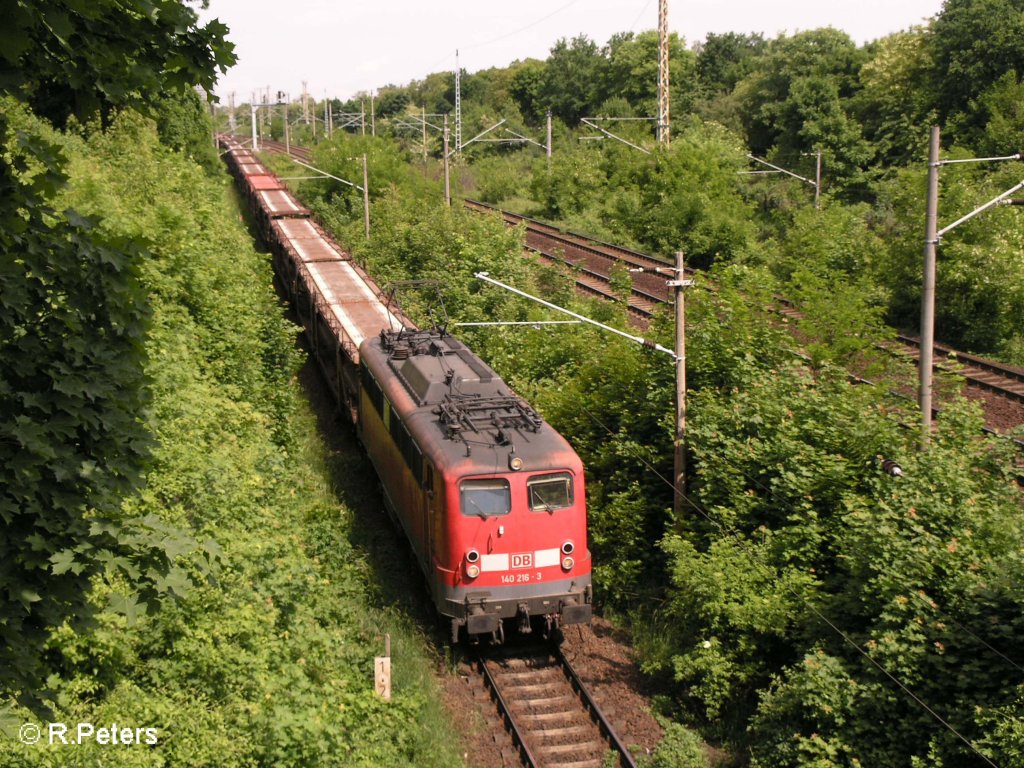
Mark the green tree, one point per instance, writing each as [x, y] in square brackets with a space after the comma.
[71, 394]
[79, 58]
[632, 71]
[391, 101]
[981, 300]
[73, 318]
[725, 59]
[184, 125]
[798, 100]
[527, 88]
[896, 102]
[1000, 116]
[974, 43]
[688, 197]
[574, 79]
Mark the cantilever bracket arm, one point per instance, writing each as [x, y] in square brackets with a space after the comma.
[981, 209]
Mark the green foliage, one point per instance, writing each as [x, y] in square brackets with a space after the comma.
[270, 662]
[184, 125]
[500, 178]
[797, 101]
[799, 526]
[73, 391]
[725, 59]
[418, 239]
[72, 395]
[895, 102]
[632, 71]
[688, 197]
[998, 116]
[527, 89]
[981, 304]
[83, 57]
[573, 76]
[571, 184]
[974, 43]
[679, 748]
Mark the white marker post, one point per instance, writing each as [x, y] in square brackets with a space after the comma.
[382, 671]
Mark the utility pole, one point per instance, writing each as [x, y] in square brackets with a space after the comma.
[373, 115]
[458, 104]
[305, 103]
[366, 199]
[287, 130]
[664, 134]
[447, 184]
[327, 131]
[817, 181]
[255, 141]
[362, 117]
[680, 283]
[548, 148]
[924, 371]
[423, 118]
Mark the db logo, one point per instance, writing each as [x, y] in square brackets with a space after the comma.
[522, 560]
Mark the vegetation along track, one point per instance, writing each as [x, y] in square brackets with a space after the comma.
[547, 711]
[595, 259]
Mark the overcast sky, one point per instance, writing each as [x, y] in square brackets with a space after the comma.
[342, 47]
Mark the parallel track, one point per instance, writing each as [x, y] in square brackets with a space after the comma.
[594, 260]
[548, 712]
[279, 146]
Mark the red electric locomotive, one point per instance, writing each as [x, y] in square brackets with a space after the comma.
[490, 495]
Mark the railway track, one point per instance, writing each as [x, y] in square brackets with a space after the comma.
[279, 146]
[594, 259]
[547, 711]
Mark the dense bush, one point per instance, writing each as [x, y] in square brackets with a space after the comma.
[269, 660]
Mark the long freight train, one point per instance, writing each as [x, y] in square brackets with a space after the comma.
[490, 496]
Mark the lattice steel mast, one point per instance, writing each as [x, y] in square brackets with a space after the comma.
[664, 134]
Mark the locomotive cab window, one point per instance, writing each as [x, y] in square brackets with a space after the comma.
[489, 497]
[550, 492]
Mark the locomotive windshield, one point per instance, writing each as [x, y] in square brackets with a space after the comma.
[486, 498]
[550, 492]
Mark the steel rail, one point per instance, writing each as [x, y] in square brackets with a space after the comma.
[582, 696]
[518, 739]
[607, 729]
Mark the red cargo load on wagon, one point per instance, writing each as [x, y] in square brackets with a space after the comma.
[264, 181]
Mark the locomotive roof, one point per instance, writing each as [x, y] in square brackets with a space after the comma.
[433, 364]
[467, 399]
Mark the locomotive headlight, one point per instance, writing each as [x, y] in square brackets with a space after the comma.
[568, 548]
[472, 560]
[567, 563]
[515, 463]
